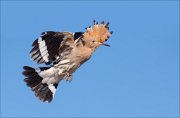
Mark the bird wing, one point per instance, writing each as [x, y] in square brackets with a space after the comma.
[46, 47]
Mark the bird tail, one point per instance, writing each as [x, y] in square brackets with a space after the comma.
[34, 80]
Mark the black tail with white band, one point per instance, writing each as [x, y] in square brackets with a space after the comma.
[43, 91]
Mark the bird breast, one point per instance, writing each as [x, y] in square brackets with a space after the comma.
[73, 60]
[78, 57]
[82, 54]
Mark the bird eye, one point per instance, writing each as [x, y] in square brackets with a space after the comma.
[93, 41]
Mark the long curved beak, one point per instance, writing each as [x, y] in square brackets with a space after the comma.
[105, 44]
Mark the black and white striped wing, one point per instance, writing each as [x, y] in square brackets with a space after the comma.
[46, 47]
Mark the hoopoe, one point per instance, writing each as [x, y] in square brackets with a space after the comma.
[64, 52]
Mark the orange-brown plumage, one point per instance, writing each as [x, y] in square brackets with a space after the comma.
[99, 33]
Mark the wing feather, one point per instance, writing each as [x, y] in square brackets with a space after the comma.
[47, 47]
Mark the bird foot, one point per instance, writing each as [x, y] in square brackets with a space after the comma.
[68, 77]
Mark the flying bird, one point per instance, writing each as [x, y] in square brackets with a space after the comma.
[63, 53]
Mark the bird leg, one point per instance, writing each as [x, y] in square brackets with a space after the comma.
[68, 77]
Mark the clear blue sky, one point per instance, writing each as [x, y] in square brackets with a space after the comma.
[137, 76]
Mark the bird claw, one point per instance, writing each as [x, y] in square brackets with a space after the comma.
[68, 77]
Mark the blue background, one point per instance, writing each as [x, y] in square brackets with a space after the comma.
[137, 77]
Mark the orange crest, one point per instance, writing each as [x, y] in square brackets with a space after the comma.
[99, 33]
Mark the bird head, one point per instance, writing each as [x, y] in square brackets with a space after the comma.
[97, 35]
